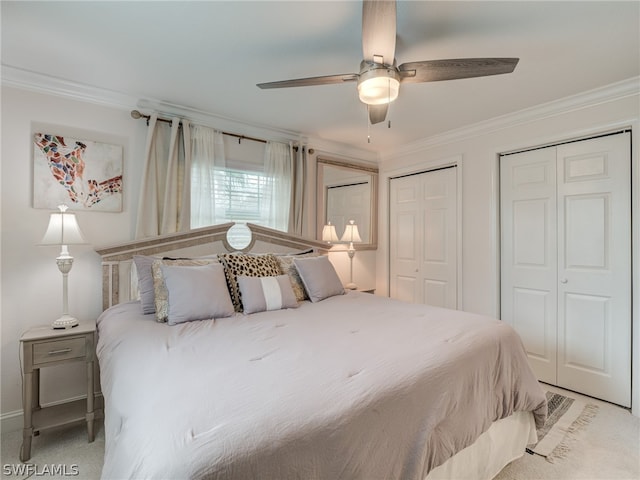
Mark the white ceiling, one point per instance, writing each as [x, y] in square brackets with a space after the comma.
[210, 55]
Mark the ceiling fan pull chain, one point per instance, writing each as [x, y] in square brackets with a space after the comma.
[368, 125]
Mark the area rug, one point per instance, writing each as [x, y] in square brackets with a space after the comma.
[566, 416]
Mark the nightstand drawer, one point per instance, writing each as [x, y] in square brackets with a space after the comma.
[54, 351]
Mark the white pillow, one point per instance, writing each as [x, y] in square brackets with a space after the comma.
[319, 277]
[196, 293]
[266, 293]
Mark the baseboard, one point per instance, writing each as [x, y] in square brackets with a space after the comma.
[13, 421]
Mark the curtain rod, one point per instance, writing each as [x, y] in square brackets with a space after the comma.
[137, 115]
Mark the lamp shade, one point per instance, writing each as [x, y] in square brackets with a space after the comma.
[378, 90]
[63, 229]
[329, 233]
[351, 233]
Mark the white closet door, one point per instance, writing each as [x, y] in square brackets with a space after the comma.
[529, 254]
[566, 262]
[594, 268]
[405, 225]
[423, 238]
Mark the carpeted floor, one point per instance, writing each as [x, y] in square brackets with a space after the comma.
[67, 447]
[606, 449]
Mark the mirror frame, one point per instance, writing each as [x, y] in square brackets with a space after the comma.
[321, 197]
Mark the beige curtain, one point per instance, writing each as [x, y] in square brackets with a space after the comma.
[299, 180]
[164, 197]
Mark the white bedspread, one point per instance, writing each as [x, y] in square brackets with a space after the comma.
[353, 387]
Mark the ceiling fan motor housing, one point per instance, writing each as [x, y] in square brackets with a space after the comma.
[378, 83]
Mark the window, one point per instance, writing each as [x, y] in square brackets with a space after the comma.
[242, 183]
[239, 195]
[227, 181]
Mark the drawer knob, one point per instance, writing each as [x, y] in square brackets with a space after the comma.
[59, 352]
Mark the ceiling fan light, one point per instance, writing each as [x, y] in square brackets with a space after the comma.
[378, 90]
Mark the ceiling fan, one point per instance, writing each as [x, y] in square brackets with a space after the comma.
[379, 78]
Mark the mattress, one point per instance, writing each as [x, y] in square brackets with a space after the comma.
[356, 386]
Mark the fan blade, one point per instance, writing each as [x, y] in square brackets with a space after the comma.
[306, 82]
[452, 69]
[377, 113]
[379, 31]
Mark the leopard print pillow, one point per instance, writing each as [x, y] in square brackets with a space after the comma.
[250, 265]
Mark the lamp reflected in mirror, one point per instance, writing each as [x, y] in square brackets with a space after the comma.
[347, 191]
[329, 234]
[351, 235]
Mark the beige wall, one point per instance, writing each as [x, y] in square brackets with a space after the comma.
[31, 282]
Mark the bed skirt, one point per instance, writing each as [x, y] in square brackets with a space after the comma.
[504, 442]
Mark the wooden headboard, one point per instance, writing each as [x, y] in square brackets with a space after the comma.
[117, 259]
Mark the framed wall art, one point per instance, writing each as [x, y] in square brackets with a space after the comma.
[83, 174]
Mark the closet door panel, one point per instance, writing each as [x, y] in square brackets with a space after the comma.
[587, 321]
[529, 307]
[439, 263]
[529, 254]
[594, 268]
[405, 224]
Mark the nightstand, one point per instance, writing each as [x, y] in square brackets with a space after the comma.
[44, 347]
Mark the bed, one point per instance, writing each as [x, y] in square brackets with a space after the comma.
[352, 386]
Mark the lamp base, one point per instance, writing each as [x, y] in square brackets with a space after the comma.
[350, 286]
[65, 321]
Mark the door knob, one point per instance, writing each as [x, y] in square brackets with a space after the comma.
[564, 280]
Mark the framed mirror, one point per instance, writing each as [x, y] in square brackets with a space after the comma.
[347, 191]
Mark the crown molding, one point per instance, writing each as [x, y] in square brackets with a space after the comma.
[37, 82]
[33, 81]
[589, 98]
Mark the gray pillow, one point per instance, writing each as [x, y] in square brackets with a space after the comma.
[196, 293]
[319, 277]
[266, 293]
[145, 282]
[160, 294]
[288, 268]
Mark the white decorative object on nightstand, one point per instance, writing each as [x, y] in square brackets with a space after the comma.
[44, 347]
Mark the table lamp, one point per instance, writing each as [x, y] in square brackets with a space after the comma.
[63, 230]
[351, 235]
